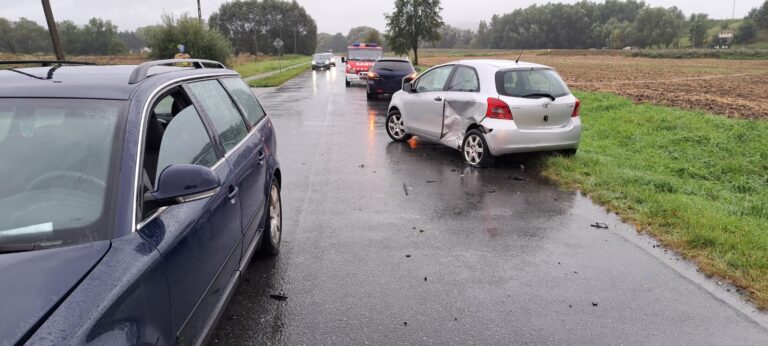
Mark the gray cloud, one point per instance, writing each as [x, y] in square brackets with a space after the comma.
[331, 15]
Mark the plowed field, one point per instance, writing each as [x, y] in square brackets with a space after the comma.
[735, 88]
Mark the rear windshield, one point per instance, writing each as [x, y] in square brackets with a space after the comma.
[57, 170]
[530, 83]
[398, 66]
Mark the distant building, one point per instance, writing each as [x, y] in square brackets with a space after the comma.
[725, 38]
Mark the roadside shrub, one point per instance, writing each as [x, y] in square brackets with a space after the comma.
[734, 53]
[200, 42]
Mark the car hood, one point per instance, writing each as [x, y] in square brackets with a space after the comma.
[34, 282]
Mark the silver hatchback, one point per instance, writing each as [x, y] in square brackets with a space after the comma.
[487, 108]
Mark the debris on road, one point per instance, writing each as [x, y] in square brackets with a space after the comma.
[278, 297]
[405, 188]
[490, 190]
[432, 181]
[599, 225]
[361, 166]
[425, 279]
[594, 303]
[408, 256]
[405, 323]
[514, 177]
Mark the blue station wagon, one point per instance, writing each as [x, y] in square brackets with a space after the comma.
[131, 200]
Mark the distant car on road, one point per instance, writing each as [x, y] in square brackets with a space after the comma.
[332, 57]
[386, 76]
[321, 61]
[487, 108]
[131, 200]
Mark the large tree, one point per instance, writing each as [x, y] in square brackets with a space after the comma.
[412, 22]
[252, 26]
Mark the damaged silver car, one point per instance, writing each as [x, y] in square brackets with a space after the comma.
[487, 108]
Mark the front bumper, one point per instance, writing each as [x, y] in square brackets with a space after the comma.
[361, 77]
[316, 66]
[503, 137]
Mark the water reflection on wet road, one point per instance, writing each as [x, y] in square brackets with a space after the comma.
[401, 243]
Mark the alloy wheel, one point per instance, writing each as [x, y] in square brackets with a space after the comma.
[396, 127]
[275, 214]
[473, 149]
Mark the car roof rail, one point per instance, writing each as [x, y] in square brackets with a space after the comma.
[140, 72]
[44, 63]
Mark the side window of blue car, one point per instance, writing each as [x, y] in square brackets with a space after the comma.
[245, 99]
[226, 119]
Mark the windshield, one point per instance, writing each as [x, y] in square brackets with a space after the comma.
[530, 83]
[364, 54]
[321, 57]
[394, 66]
[55, 171]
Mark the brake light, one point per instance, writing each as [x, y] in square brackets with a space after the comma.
[576, 109]
[373, 75]
[498, 109]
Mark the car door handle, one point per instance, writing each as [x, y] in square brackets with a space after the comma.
[438, 99]
[233, 190]
[260, 155]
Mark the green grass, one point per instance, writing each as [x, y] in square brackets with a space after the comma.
[269, 65]
[279, 78]
[696, 181]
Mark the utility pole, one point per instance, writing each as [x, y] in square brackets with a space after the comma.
[53, 30]
[199, 13]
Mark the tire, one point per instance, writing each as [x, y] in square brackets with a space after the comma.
[396, 130]
[347, 81]
[273, 225]
[568, 152]
[474, 150]
[368, 95]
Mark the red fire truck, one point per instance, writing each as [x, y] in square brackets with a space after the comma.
[360, 57]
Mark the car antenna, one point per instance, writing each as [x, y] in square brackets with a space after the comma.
[518, 57]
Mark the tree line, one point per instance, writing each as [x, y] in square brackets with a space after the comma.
[97, 37]
[339, 42]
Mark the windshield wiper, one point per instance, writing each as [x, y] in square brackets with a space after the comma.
[539, 95]
[12, 248]
[387, 69]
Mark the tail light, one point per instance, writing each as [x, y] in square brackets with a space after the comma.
[498, 109]
[373, 75]
[576, 109]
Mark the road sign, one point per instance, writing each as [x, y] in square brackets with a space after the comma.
[278, 43]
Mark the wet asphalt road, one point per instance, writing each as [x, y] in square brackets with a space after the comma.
[466, 257]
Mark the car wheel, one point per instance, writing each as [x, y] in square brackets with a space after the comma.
[273, 228]
[368, 95]
[568, 152]
[475, 151]
[396, 128]
[347, 81]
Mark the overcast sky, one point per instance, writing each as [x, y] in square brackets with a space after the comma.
[331, 15]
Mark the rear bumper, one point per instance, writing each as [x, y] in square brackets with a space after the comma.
[504, 137]
[381, 88]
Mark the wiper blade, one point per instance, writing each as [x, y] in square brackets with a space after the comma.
[539, 95]
[387, 69]
[11, 248]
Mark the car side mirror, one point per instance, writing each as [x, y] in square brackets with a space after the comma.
[408, 87]
[418, 69]
[343, 59]
[183, 183]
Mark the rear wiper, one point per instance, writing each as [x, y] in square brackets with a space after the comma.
[540, 95]
[386, 69]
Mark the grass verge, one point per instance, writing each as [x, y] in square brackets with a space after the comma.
[279, 78]
[696, 181]
[269, 65]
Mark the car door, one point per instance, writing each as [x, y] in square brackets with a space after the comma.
[200, 241]
[248, 161]
[423, 109]
[463, 102]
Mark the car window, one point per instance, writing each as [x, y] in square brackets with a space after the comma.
[521, 83]
[185, 141]
[245, 98]
[399, 66]
[57, 169]
[465, 79]
[434, 80]
[226, 118]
